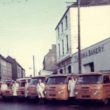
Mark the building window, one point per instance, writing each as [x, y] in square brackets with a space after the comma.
[67, 43]
[66, 22]
[58, 32]
[63, 47]
[62, 26]
[61, 71]
[89, 67]
[59, 49]
[69, 69]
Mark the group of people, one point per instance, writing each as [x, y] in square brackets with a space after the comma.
[40, 87]
[13, 85]
[71, 88]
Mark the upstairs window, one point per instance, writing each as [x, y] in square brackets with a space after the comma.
[66, 22]
[62, 26]
[59, 49]
[58, 32]
[63, 47]
[67, 43]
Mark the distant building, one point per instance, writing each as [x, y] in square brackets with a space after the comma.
[94, 23]
[17, 70]
[45, 72]
[5, 69]
[49, 62]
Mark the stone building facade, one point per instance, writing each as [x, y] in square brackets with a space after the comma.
[5, 69]
[49, 62]
[17, 70]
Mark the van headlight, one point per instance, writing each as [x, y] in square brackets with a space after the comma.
[60, 92]
[96, 92]
[99, 87]
[76, 93]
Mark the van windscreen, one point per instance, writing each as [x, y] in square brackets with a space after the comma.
[89, 79]
[22, 83]
[34, 81]
[56, 80]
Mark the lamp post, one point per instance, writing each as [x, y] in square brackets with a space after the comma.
[79, 39]
[33, 66]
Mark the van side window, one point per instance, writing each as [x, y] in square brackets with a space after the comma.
[106, 79]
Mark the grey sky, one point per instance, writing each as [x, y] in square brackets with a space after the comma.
[27, 28]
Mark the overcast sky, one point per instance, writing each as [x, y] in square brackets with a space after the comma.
[27, 29]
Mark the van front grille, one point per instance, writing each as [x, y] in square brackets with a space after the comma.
[85, 96]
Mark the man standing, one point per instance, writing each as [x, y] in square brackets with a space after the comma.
[26, 88]
[4, 87]
[15, 88]
[40, 90]
[71, 87]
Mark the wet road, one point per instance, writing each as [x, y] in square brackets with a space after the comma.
[8, 105]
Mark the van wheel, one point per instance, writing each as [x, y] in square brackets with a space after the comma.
[105, 101]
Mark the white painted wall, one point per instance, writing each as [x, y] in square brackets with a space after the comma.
[66, 31]
[95, 25]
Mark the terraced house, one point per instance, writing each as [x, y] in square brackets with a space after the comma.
[95, 25]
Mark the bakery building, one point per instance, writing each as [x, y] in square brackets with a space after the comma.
[95, 25]
[94, 58]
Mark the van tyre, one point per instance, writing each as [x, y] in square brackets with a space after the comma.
[105, 101]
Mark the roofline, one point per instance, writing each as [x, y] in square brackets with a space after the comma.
[62, 17]
[94, 73]
[18, 79]
[90, 73]
[75, 6]
[14, 60]
[2, 57]
[62, 74]
[37, 77]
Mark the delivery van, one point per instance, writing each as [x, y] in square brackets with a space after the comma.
[22, 91]
[32, 89]
[93, 86]
[57, 86]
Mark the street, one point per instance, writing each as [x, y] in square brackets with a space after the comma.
[25, 105]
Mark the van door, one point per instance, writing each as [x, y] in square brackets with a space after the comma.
[106, 86]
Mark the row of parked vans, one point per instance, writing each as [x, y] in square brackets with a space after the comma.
[89, 86]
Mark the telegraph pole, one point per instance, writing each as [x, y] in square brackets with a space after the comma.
[33, 66]
[79, 39]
